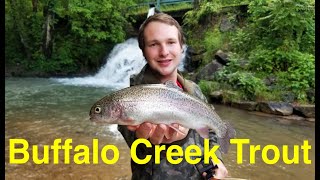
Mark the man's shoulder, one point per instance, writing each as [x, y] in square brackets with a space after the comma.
[197, 91]
[192, 88]
[136, 79]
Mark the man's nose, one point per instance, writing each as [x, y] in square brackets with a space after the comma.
[164, 51]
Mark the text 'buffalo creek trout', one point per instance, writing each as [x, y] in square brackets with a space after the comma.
[161, 104]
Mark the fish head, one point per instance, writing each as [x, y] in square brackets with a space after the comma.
[106, 112]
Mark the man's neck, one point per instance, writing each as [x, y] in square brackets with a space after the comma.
[173, 77]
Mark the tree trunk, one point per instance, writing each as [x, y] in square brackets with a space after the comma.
[35, 6]
[47, 43]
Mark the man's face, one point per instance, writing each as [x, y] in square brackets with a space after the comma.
[162, 48]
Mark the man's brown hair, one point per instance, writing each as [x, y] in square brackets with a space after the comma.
[163, 18]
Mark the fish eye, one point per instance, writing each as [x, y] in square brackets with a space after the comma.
[97, 110]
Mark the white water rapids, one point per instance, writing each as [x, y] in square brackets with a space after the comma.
[125, 59]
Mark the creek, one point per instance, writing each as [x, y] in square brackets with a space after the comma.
[41, 110]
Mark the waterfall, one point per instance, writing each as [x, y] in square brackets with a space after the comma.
[125, 59]
[151, 11]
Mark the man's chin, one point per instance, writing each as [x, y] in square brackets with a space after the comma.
[167, 71]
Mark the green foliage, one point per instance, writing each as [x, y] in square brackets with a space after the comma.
[208, 86]
[236, 83]
[196, 17]
[228, 95]
[250, 86]
[280, 40]
[213, 41]
[81, 33]
[23, 30]
[202, 27]
[278, 24]
[192, 19]
[300, 77]
[143, 8]
[98, 20]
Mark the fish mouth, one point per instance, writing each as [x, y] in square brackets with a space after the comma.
[99, 120]
[92, 119]
[95, 121]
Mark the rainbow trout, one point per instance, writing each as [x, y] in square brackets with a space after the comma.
[161, 104]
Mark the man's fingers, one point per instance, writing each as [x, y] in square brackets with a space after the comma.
[158, 134]
[170, 133]
[144, 130]
[133, 128]
[220, 172]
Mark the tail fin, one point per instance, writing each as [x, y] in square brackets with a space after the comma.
[225, 141]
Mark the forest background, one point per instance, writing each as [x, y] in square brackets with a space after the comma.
[272, 53]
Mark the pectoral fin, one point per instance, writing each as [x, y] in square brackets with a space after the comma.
[203, 132]
[176, 129]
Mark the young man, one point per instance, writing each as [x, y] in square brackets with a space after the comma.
[161, 39]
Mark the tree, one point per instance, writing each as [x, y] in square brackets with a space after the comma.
[279, 39]
[62, 35]
[48, 27]
[18, 11]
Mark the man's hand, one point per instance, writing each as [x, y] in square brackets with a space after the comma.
[159, 133]
[221, 172]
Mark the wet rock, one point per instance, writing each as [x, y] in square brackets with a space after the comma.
[270, 80]
[216, 96]
[294, 117]
[288, 97]
[278, 108]
[192, 52]
[305, 110]
[208, 71]
[311, 119]
[311, 94]
[222, 57]
[223, 97]
[246, 105]
[193, 59]
[226, 24]
[264, 114]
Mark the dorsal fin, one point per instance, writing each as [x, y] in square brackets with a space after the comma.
[171, 84]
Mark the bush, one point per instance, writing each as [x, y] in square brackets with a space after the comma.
[208, 86]
[300, 77]
[279, 39]
[250, 86]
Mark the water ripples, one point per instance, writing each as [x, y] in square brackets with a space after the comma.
[42, 110]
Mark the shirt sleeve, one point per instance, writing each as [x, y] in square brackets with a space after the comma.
[129, 136]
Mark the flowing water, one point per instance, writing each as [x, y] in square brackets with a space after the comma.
[42, 110]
